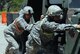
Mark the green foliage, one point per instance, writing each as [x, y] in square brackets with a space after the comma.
[11, 5]
[15, 5]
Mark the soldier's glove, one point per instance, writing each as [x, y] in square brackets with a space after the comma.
[78, 27]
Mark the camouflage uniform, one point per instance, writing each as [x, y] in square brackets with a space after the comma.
[14, 31]
[43, 37]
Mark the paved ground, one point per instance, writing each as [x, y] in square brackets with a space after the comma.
[0, 19]
[3, 42]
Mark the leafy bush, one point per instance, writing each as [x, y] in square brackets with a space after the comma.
[12, 5]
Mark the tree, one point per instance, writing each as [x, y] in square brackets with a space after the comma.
[2, 2]
[11, 5]
[16, 5]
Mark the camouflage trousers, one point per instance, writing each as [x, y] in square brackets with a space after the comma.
[42, 50]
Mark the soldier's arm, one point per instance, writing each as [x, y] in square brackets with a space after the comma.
[25, 25]
[58, 27]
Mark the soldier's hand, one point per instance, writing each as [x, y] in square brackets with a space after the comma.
[78, 26]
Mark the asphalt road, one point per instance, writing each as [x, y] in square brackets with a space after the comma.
[3, 42]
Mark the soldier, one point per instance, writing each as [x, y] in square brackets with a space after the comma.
[14, 31]
[43, 37]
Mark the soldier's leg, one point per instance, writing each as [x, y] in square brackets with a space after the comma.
[61, 49]
[30, 49]
[23, 40]
[11, 50]
[12, 42]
